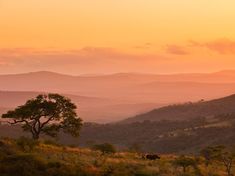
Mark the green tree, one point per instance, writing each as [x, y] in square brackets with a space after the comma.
[221, 154]
[105, 148]
[46, 114]
[210, 153]
[227, 157]
[184, 162]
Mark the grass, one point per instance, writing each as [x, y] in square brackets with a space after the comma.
[50, 159]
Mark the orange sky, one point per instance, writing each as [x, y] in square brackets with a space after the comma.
[103, 36]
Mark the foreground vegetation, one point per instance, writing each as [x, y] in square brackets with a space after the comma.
[26, 157]
[54, 115]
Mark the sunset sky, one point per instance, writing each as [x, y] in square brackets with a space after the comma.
[108, 36]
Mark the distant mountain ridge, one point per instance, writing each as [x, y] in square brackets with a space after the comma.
[124, 94]
[193, 77]
[122, 84]
[93, 109]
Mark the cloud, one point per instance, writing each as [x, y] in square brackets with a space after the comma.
[176, 50]
[221, 46]
[104, 60]
[85, 60]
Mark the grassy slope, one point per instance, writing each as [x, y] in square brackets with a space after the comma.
[48, 159]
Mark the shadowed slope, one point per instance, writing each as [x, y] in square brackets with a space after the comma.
[188, 111]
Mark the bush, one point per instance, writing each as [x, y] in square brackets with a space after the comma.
[184, 162]
[26, 144]
[105, 148]
[21, 165]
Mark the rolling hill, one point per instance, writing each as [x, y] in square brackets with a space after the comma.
[93, 109]
[109, 98]
[127, 86]
[188, 111]
[184, 128]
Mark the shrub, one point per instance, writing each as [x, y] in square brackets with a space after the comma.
[21, 165]
[105, 148]
[184, 162]
[26, 144]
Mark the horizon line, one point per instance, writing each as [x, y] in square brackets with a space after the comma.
[114, 73]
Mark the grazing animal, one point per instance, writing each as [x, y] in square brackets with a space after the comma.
[151, 156]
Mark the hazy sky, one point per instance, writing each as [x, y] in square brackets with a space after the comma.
[106, 36]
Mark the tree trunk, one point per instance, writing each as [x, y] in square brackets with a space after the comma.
[35, 136]
[228, 166]
[184, 169]
[229, 171]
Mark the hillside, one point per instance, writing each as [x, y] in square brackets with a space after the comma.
[165, 136]
[92, 109]
[193, 125]
[12, 99]
[23, 157]
[184, 137]
[128, 87]
[176, 128]
[114, 97]
[188, 110]
[184, 128]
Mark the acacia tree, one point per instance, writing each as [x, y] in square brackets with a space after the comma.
[221, 154]
[46, 114]
[184, 162]
[210, 154]
[227, 157]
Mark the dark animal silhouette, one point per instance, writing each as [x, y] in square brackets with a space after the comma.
[151, 156]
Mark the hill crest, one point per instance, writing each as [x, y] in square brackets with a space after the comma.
[188, 110]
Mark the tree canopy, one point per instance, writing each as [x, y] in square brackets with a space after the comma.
[46, 114]
[184, 162]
